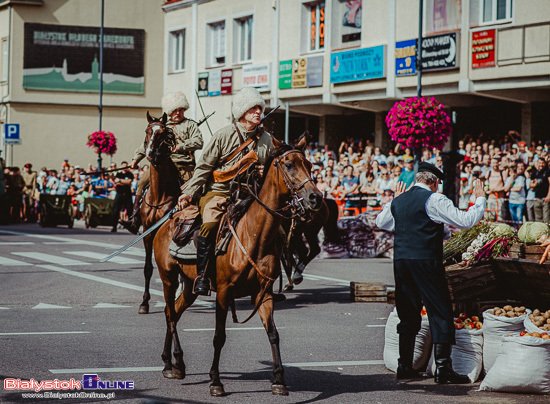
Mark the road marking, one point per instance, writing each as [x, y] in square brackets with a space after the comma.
[44, 333]
[326, 278]
[228, 329]
[4, 308]
[3, 243]
[97, 256]
[115, 283]
[54, 259]
[375, 325]
[135, 251]
[50, 306]
[61, 242]
[9, 262]
[108, 306]
[159, 368]
[63, 239]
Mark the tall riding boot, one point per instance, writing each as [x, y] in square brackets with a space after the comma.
[406, 353]
[444, 372]
[134, 221]
[205, 249]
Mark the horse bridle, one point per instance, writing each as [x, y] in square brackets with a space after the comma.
[296, 206]
[154, 131]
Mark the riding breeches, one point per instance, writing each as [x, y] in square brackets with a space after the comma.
[211, 208]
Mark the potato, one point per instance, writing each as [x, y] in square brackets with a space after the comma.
[510, 314]
[491, 312]
[507, 308]
[538, 324]
[548, 321]
[517, 309]
[536, 312]
[546, 315]
[522, 309]
[496, 308]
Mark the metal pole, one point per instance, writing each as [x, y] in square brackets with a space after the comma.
[100, 77]
[287, 118]
[419, 50]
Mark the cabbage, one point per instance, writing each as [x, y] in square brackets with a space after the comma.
[502, 230]
[531, 231]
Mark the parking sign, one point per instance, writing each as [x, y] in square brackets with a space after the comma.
[11, 133]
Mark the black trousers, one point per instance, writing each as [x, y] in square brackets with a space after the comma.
[423, 281]
[122, 200]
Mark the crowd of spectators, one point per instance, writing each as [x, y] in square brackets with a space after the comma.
[359, 176]
[21, 190]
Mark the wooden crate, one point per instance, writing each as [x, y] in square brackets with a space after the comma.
[524, 251]
[368, 292]
[466, 283]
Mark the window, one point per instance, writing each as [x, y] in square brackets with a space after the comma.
[496, 11]
[5, 59]
[176, 48]
[346, 23]
[317, 26]
[215, 53]
[242, 39]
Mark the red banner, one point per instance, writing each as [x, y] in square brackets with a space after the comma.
[483, 48]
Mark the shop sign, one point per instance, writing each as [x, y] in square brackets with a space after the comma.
[215, 82]
[405, 57]
[299, 67]
[358, 64]
[483, 48]
[314, 71]
[285, 74]
[203, 84]
[439, 52]
[257, 76]
[227, 82]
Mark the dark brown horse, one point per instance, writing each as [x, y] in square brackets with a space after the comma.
[250, 265]
[163, 192]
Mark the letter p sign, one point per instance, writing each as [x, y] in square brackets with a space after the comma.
[11, 133]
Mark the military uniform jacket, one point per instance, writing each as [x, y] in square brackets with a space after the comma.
[188, 139]
[224, 142]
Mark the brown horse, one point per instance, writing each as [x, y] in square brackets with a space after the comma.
[250, 265]
[164, 189]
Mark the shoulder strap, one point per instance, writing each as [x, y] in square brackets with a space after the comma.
[241, 147]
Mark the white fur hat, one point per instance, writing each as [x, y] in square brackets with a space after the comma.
[245, 99]
[172, 101]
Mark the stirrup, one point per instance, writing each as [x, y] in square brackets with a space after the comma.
[209, 286]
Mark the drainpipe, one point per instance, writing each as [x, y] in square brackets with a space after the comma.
[5, 97]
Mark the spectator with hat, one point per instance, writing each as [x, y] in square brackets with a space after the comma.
[407, 175]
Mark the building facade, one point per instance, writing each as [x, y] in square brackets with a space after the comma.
[49, 76]
[336, 66]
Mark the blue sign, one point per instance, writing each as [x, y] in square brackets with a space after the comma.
[11, 133]
[358, 64]
[405, 57]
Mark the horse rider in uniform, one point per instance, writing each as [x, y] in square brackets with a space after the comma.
[219, 156]
[418, 216]
[188, 139]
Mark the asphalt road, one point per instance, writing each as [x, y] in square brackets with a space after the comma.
[63, 315]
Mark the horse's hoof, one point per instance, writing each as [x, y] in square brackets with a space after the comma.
[297, 278]
[173, 374]
[143, 309]
[217, 391]
[278, 297]
[288, 288]
[279, 390]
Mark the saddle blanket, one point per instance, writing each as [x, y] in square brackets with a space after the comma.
[187, 252]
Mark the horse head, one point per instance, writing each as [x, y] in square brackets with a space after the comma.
[159, 139]
[293, 173]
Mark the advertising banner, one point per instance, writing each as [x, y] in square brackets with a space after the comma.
[314, 71]
[439, 52]
[227, 82]
[214, 82]
[405, 57]
[66, 58]
[358, 64]
[483, 48]
[299, 67]
[257, 76]
[203, 84]
[285, 74]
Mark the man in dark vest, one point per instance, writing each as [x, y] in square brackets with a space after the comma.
[418, 216]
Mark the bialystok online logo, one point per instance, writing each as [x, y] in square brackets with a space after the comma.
[88, 382]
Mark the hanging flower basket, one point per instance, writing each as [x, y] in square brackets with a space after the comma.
[417, 122]
[104, 142]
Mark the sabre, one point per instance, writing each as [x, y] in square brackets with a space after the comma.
[142, 236]
[203, 114]
[203, 120]
[269, 113]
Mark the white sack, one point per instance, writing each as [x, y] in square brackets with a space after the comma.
[422, 347]
[494, 328]
[531, 327]
[522, 366]
[466, 355]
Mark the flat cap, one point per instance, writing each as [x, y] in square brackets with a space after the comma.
[423, 166]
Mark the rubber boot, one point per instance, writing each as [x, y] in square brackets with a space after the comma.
[134, 222]
[205, 249]
[444, 372]
[406, 353]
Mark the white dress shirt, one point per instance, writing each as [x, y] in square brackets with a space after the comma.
[440, 209]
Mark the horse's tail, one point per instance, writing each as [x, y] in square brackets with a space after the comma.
[330, 228]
